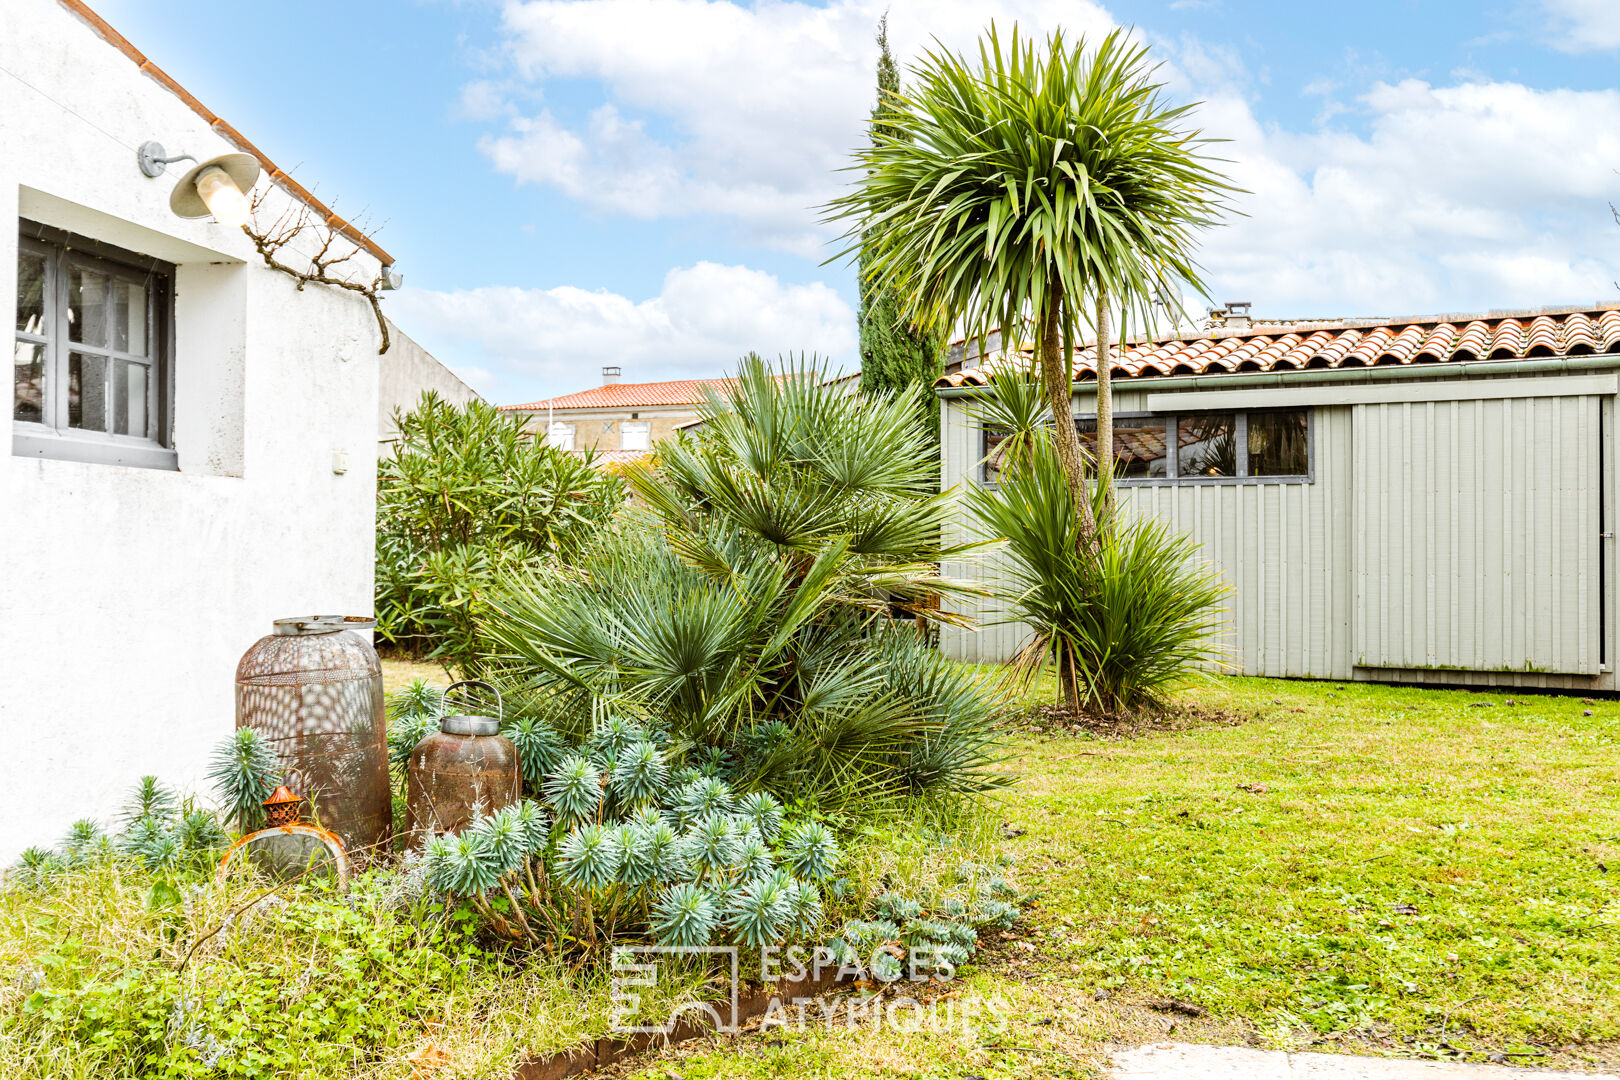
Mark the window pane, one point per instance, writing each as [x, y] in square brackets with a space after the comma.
[560, 435]
[28, 383]
[129, 397]
[1277, 444]
[30, 293]
[129, 317]
[1206, 445]
[1139, 448]
[87, 391]
[89, 305]
[994, 455]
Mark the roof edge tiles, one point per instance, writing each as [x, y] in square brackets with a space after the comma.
[646, 395]
[332, 221]
[1315, 344]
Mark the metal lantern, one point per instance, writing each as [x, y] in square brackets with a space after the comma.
[281, 808]
[313, 692]
[464, 767]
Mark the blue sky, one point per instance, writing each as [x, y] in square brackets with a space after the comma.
[572, 183]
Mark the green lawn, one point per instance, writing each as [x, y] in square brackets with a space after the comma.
[1288, 864]
[1356, 868]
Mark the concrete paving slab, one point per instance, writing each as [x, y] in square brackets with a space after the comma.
[1189, 1061]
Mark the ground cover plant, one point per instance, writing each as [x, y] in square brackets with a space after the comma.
[465, 492]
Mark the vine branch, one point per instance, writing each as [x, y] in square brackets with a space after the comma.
[332, 263]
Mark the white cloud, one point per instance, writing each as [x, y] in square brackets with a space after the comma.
[1470, 196]
[756, 108]
[1583, 25]
[546, 341]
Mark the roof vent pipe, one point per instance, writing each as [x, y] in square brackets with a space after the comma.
[610, 375]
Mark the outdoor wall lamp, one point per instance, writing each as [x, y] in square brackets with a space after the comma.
[218, 186]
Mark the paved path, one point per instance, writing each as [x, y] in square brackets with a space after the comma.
[1184, 1061]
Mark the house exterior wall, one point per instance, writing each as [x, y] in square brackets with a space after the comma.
[129, 594]
[1447, 536]
[404, 372]
[598, 429]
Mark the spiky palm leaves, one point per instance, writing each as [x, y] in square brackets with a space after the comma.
[1124, 619]
[747, 611]
[244, 772]
[1006, 193]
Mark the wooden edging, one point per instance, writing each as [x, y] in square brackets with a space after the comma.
[752, 1003]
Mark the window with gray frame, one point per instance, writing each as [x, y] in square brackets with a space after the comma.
[90, 362]
[1272, 445]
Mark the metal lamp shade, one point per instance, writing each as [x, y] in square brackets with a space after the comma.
[243, 169]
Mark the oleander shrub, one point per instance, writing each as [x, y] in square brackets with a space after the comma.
[466, 494]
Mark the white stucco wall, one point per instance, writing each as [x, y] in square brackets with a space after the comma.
[127, 595]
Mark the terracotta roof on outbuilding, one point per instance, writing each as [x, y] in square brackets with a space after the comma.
[227, 132]
[1298, 346]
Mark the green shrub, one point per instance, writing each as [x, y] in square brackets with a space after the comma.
[467, 493]
[1125, 617]
[769, 606]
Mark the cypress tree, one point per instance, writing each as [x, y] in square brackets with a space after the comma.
[894, 353]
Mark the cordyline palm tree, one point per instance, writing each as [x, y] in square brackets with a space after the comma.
[1004, 196]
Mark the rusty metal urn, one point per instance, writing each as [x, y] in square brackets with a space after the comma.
[313, 692]
[465, 767]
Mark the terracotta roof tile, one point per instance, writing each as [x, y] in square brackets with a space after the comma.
[631, 395]
[1353, 343]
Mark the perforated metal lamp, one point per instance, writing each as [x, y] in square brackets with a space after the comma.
[219, 187]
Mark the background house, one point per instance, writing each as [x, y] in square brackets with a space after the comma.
[193, 440]
[619, 420]
[1426, 499]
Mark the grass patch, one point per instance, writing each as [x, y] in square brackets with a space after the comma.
[1375, 866]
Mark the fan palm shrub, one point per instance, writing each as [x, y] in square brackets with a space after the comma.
[1124, 618]
[768, 604]
[1013, 192]
[467, 493]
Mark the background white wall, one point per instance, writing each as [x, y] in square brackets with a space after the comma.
[127, 595]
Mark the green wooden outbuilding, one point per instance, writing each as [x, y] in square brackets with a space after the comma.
[1422, 500]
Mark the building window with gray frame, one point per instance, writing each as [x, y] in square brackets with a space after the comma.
[1254, 446]
[91, 365]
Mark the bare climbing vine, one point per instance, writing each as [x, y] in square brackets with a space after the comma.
[332, 262]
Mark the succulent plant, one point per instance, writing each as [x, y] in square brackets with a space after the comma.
[896, 908]
[639, 774]
[505, 837]
[244, 772]
[535, 827]
[575, 789]
[611, 737]
[804, 906]
[539, 748]
[684, 917]
[462, 865]
[811, 852]
[150, 801]
[200, 832]
[665, 854]
[712, 845]
[761, 913]
[752, 856]
[763, 812]
[703, 797]
[589, 857]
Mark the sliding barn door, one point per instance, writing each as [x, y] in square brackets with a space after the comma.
[1476, 541]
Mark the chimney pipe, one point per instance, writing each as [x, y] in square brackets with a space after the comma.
[1233, 316]
[610, 375]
